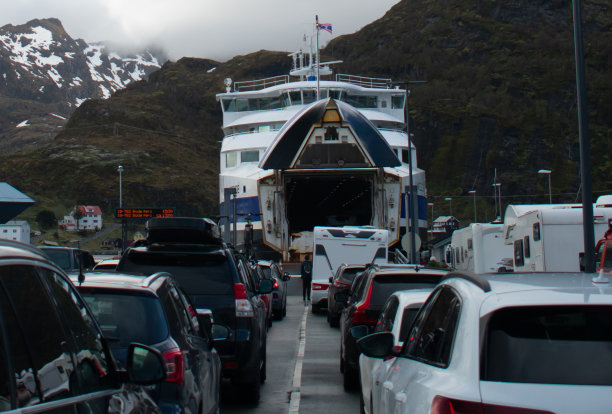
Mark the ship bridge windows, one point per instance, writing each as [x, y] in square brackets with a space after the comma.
[397, 102]
[249, 156]
[231, 159]
[361, 101]
[255, 104]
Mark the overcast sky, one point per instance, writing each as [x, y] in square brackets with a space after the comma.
[215, 29]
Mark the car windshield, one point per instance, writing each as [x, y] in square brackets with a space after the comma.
[125, 317]
[549, 345]
[60, 258]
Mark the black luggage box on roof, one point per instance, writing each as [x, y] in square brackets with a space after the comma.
[188, 230]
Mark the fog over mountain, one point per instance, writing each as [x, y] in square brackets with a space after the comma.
[45, 74]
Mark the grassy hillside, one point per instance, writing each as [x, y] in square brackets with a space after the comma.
[499, 95]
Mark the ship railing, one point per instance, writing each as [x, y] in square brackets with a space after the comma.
[364, 81]
[260, 83]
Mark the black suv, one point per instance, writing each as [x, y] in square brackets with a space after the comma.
[215, 277]
[54, 354]
[152, 310]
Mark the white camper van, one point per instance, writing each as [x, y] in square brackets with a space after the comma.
[333, 246]
[550, 237]
[480, 248]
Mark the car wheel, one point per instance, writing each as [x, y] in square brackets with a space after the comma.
[315, 308]
[252, 389]
[361, 404]
[262, 374]
[285, 308]
[350, 380]
[334, 321]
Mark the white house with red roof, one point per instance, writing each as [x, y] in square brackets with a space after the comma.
[90, 219]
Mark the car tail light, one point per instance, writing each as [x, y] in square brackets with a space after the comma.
[175, 366]
[243, 306]
[359, 315]
[320, 286]
[444, 405]
[342, 285]
[276, 284]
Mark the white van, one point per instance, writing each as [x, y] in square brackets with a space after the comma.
[333, 246]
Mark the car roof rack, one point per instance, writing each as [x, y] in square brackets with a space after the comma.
[188, 230]
[478, 280]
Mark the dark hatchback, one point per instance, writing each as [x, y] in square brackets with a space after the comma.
[215, 277]
[153, 311]
[279, 289]
[55, 357]
[366, 299]
[340, 283]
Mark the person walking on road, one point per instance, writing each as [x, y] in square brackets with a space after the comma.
[306, 273]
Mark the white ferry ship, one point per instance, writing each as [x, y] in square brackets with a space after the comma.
[301, 151]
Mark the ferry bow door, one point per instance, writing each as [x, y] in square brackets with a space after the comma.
[272, 216]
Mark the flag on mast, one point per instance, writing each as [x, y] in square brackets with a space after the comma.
[325, 26]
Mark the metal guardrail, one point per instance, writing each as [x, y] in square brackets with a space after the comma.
[400, 258]
[260, 83]
[364, 81]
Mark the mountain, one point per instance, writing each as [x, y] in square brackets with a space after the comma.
[45, 74]
[495, 97]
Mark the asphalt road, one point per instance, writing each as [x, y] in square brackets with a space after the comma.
[303, 371]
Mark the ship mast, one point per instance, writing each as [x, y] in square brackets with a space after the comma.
[317, 55]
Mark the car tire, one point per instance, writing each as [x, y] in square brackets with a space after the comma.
[361, 404]
[285, 309]
[252, 390]
[315, 309]
[350, 379]
[263, 369]
[334, 321]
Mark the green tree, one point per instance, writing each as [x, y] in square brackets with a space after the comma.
[78, 215]
[46, 219]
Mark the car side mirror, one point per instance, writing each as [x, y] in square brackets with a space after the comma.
[359, 331]
[377, 345]
[205, 318]
[265, 286]
[286, 276]
[219, 332]
[341, 297]
[145, 365]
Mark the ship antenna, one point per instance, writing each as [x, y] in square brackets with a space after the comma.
[317, 56]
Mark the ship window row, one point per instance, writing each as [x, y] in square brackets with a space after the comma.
[307, 96]
[402, 154]
[234, 158]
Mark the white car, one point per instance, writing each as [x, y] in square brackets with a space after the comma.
[512, 343]
[396, 317]
[318, 294]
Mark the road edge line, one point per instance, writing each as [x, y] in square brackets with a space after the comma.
[294, 400]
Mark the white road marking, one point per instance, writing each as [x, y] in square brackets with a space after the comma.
[294, 401]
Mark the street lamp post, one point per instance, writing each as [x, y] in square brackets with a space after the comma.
[123, 222]
[547, 172]
[474, 193]
[120, 169]
[496, 191]
[450, 205]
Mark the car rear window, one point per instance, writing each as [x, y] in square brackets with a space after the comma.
[197, 273]
[60, 258]
[349, 274]
[549, 345]
[126, 318]
[384, 285]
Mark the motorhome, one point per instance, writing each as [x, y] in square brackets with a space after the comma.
[333, 246]
[480, 248]
[550, 237]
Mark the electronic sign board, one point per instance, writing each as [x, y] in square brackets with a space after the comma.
[143, 213]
